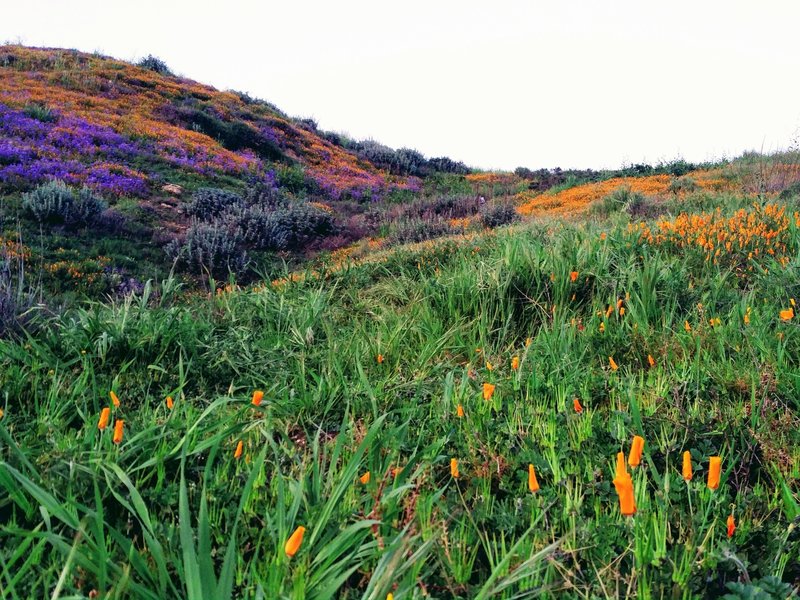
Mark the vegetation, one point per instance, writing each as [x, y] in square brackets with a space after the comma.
[549, 345]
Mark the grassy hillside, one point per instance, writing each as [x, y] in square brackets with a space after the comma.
[550, 345]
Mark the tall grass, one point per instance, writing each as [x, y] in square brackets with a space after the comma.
[170, 512]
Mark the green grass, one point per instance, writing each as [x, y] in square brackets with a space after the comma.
[170, 513]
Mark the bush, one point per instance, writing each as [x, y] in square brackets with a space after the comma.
[679, 185]
[40, 112]
[56, 202]
[418, 230]
[209, 203]
[623, 198]
[210, 248]
[289, 227]
[153, 63]
[498, 215]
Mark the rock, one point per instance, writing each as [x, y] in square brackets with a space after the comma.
[172, 188]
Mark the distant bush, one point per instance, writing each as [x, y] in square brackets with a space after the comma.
[679, 185]
[292, 226]
[623, 198]
[210, 248]
[40, 112]
[498, 215]
[56, 202]
[155, 64]
[209, 203]
[413, 230]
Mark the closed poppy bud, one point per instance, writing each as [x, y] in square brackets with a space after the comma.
[454, 467]
[114, 399]
[602, 327]
[170, 403]
[118, 430]
[635, 456]
[627, 502]
[686, 326]
[515, 363]
[622, 470]
[488, 390]
[714, 467]
[533, 483]
[239, 447]
[576, 404]
[613, 364]
[573, 276]
[687, 466]
[460, 411]
[258, 396]
[364, 478]
[651, 361]
[731, 525]
[105, 414]
[379, 358]
[294, 541]
[528, 342]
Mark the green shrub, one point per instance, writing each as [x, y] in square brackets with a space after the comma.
[40, 112]
[498, 214]
[154, 63]
[209, 203]
[56, 202]
[622, 198]
[289, 227]
[684, 184]
[210, 248]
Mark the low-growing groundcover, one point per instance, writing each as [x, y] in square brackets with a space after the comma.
[401, 405]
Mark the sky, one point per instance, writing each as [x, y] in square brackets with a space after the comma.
[493, 83]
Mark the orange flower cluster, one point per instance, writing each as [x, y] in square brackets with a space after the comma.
[747, 235]
[577, 199]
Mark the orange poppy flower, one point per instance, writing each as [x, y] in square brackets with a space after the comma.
[294, 541]
[379, 358]
[687, 466]
[118, 430]
[635, 456]
[651, 361]
[602, 327]
[731, 525]
[489, 366]
[515, 363]
[528, 342]
[714, 468]
[622, 470]
[365, 478]
[105, 415]
[613, 364]
[488, 391]
[239, 448]
[170, 403]
[576, 404]
[258, 396]
[114, 399]
[627, 501]
[533, 483]
[573, 276]
[788, 314]
[460, 411]
[454, 468]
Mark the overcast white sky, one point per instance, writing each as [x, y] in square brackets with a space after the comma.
[495, 83]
